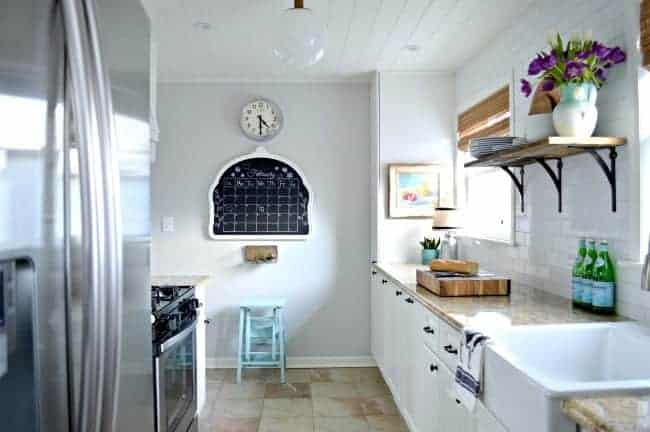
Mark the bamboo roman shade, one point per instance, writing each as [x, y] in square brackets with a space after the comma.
[490, 117]
[645, 32]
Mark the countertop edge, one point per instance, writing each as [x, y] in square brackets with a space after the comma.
[179, 279]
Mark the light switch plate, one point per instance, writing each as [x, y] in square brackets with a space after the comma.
[168, 224]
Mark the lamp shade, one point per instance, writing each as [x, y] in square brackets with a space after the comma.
[446, 218]
[300, 41]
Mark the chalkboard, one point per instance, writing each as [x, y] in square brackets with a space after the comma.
[260, 196]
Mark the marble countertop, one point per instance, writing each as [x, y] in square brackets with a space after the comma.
[614, 414]
[178, 280]
[527, 306]
[524, 306]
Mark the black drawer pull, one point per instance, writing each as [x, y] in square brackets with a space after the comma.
[374, 272]
[429, 330]
[384, 281]
[433, 368]
[398, 293]
[458, 401]
[409, 301]
[451, 350]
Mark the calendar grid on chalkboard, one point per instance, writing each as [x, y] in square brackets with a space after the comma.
[260, 196]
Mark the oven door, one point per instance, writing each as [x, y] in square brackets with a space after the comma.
[176, 394]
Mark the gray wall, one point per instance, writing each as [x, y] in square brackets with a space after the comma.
[325, 278]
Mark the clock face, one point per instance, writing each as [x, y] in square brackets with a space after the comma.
[261, 120]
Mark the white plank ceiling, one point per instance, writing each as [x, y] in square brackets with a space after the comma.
[361, 36]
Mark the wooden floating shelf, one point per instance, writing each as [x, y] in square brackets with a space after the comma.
[553, 148]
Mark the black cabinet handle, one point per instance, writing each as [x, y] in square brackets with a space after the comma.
[398, 293]
[206, 321]
[409, 301]
[374, 272]
[373, 262]
[384, 281]
[451, 350]
[429, 330]
[458, 401]
[433, 368]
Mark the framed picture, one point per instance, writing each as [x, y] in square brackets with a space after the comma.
[414, 191]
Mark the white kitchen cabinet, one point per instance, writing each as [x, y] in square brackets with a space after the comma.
[425, 413]
[453, 416]
[377, 293]
[389, 332]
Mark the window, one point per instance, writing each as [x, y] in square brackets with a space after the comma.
[487, 192]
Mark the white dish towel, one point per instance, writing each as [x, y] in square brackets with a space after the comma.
[469, 372]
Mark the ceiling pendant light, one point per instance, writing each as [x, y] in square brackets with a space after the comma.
[300, 37]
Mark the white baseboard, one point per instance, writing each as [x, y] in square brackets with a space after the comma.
[300, 362]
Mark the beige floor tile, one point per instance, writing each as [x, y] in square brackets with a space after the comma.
[387, 424]
[320, 375]
[233, 408]
[283, 408]
[372, 389]
[370, 375]
[340, 424]
[242, 391]
[378, 406]
[261, 376]
[345, 375]
[215, 375]
[299, 375]
[337, 407]
[290, 390]
[226, 424]
[342, 390]
[287, 424]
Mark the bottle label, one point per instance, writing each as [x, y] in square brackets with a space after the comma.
[588, 260]
[599, 262]
[585, 290]
[603, 294]
[577, 289]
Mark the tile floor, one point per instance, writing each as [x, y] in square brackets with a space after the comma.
[312, 400]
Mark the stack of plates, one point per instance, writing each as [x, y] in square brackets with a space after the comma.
[479, 147]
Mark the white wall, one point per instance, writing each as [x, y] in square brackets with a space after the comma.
[324, 279]
[547, 240]
[416, 112]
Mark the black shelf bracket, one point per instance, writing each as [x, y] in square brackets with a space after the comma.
[519, 183]
[610, 171]
[556, 178]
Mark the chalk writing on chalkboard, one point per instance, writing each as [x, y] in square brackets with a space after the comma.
[260, 196]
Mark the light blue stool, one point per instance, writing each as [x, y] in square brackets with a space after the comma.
[261, 325]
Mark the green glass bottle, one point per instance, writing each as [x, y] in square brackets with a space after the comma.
[603, 297]
[587, 275]
[577, 273]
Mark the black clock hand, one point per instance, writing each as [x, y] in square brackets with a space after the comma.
[266, 124]
[260, 119]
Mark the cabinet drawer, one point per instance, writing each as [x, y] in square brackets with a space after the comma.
[448, 345]
[430, 331]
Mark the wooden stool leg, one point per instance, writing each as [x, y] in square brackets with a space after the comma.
[240, 344]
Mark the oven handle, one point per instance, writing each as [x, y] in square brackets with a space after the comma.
[176, 339]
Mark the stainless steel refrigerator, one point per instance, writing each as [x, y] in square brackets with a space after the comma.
[75, 330]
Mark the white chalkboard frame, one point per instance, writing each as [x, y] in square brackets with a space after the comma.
[260, 152]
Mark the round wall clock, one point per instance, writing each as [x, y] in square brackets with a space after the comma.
[261, 120]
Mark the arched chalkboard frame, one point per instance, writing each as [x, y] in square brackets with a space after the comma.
[286, 212]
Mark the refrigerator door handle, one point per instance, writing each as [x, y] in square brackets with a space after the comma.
[101, 224]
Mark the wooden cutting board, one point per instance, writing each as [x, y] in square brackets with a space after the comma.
[446, 285]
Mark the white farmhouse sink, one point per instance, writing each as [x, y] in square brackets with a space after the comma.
[529, 370]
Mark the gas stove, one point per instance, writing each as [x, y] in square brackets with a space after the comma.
[173, 308]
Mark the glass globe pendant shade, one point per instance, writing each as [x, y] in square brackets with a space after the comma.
[300, 38]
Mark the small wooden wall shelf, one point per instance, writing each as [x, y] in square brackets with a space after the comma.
[553, 149]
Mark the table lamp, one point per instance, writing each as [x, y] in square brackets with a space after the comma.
[448, 219]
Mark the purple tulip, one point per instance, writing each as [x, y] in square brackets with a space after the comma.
[600, 50]
[548, 85]
[601, 74]
[583, 55]
[548, 61]
[574, 69]
[526, 88]
[535, 66]
[616, 55]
